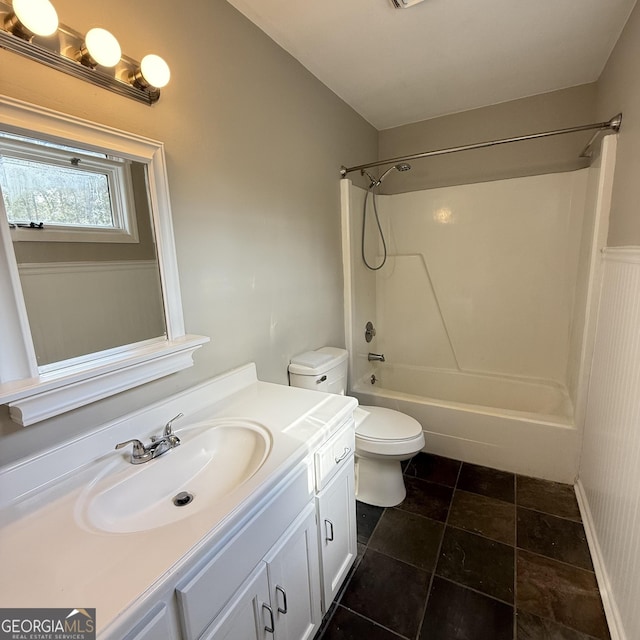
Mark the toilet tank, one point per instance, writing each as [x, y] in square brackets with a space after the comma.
[322, 370]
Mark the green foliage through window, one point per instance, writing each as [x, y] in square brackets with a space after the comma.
[37, 191]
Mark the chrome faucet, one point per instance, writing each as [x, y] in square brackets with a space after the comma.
[378, 357]
[168, 434]
[158, 445]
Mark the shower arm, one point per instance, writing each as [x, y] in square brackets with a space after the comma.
[609, 125]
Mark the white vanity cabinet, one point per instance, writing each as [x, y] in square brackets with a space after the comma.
[280, 573]
[337, 531]
[247, 617]
[336, 509]
[277, 572]
[278, 551]
[242, 562]
[281, 598]
[155, 626]
[294, 580]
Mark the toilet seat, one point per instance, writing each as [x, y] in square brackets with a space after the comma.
[384, 431]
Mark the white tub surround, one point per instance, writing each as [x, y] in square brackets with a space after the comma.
[484, 311]
[58, 558]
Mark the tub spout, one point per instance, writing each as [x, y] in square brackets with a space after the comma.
[378, 357]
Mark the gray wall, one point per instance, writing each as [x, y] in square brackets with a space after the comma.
[545, 112]
[254, 145]
[619, 90]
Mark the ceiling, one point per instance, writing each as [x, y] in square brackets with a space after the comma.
[396, 66]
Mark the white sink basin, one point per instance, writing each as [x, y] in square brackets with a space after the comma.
[214, 459]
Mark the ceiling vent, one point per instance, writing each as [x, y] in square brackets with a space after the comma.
[404, 4]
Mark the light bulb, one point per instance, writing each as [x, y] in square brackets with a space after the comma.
[100, 47]
[37, 17]
[155, 71]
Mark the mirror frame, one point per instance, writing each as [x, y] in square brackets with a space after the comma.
[33, 396]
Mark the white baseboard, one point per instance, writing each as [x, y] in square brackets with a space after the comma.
[608, 599]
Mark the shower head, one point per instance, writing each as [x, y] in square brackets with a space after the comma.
[402, 166]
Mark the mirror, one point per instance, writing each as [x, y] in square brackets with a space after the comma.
[89, 297]
[84, 244]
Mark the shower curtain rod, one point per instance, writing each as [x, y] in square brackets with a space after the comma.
[613, 125]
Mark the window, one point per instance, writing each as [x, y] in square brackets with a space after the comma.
[55, 193]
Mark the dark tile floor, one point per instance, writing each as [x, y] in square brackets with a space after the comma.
[471, 554]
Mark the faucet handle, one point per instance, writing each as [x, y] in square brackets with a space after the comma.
[139, 449]
[140, 452]
[168, 429]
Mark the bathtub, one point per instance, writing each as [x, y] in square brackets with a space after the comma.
[518, 425]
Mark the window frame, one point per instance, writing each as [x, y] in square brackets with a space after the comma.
[119, 183]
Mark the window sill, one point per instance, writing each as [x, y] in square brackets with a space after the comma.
[52, 233]
[36, 399]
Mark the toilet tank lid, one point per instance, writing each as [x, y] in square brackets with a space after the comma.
[313, 363]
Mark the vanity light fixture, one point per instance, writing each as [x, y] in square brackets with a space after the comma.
[404, 4]
[100, 47]
[31, 28]
[153, 72]
[31, 18]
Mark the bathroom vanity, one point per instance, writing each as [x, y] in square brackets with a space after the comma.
[257, 549]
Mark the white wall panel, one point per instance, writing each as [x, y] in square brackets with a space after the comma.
[77, 308]
[610, 466]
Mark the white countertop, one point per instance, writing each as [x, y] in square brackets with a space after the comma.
[50, 557]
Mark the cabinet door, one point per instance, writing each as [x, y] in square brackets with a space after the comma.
[337, 531]
[294, 580]
[154, 627]
[248, 616]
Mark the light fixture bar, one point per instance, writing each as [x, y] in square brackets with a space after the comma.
[73, 68]
[61, 52]
[405, 4]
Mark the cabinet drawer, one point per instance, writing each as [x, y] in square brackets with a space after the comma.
[204, 593]
[334, 454]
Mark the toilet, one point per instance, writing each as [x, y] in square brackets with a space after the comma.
[384, 437]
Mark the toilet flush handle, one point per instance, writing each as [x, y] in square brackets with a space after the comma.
[322, 379]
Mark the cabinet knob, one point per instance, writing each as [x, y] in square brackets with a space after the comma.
[284, 600]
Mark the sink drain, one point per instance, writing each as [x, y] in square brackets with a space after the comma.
[183, 499]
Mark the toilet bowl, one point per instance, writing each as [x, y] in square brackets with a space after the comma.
[384, 437]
